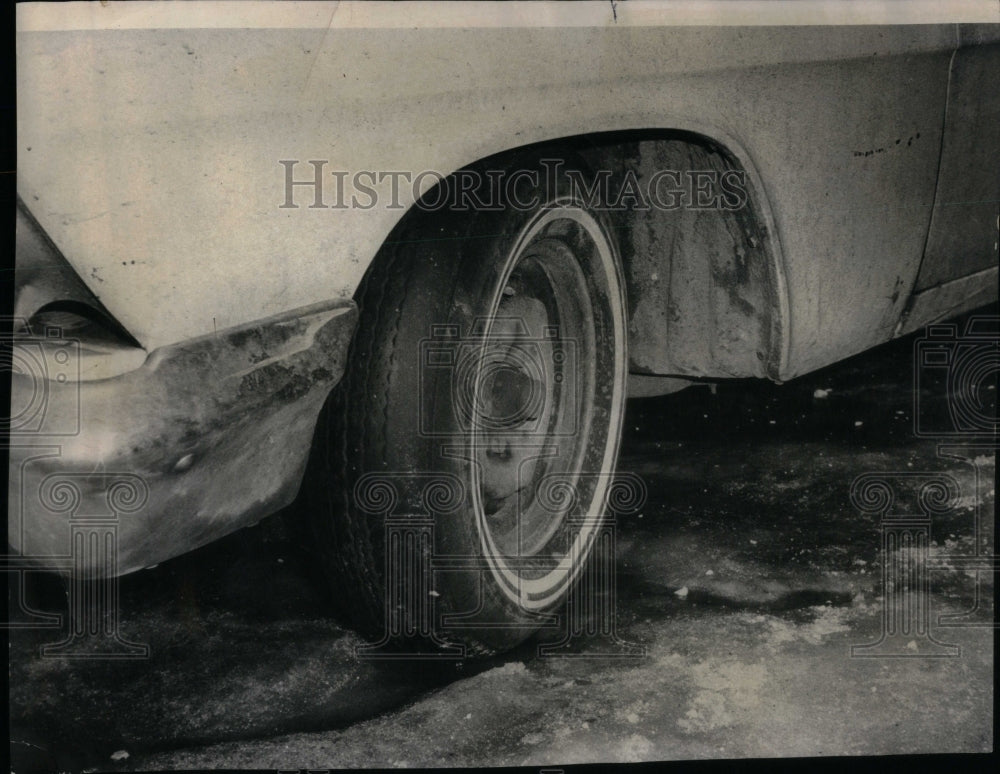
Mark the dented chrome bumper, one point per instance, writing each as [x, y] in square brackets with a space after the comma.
[110, 475]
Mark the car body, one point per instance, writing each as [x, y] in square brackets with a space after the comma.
[164, 168]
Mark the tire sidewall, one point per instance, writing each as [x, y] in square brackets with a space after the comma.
[480, 257]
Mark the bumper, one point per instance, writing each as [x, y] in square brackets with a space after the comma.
[206, 436]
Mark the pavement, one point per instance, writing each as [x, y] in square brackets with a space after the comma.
[747, 619]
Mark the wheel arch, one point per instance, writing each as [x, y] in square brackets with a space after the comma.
[724, 310]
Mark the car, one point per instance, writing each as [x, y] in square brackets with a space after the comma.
[403, 269]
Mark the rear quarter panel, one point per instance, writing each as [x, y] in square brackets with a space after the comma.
[151, 157]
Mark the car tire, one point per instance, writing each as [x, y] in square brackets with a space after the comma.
[460, 469]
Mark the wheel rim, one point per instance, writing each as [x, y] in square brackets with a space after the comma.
[546, 414]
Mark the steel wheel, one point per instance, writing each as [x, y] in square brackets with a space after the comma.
[491, 358]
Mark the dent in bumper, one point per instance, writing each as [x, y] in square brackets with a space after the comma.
[206, 436]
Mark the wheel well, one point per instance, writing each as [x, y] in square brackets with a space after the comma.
[703, 277]
[703, 283]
